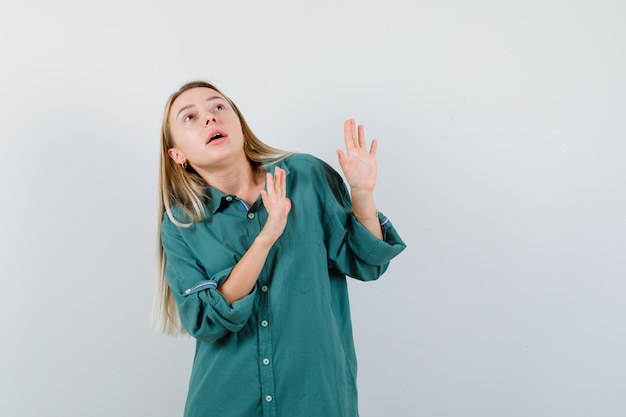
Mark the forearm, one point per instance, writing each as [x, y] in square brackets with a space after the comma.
[365, 211]
[244, 275]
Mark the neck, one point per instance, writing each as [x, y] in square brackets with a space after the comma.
[243, 180]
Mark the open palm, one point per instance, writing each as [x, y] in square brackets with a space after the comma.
[359, 165]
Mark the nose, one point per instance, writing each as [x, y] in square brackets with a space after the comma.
[209, 118]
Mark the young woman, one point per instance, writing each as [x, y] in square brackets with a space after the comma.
[255, 246]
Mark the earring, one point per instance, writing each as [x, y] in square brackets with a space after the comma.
[184, 165]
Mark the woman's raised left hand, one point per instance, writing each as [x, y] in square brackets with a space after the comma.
[359, 165]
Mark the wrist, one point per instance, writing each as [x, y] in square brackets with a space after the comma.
[264, 242]
[365, 216]
[361, 195]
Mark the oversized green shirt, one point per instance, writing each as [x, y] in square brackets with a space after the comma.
[286, 349]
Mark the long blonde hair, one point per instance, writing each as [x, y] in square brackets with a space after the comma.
[186, 189]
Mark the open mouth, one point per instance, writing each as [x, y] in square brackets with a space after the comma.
[215, 136]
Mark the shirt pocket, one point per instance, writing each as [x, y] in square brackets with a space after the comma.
[301, 261]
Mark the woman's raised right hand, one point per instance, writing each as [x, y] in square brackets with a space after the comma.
[277, 205]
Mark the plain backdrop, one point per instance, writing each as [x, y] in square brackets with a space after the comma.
[501, 162]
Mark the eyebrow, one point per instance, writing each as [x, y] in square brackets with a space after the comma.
[188, 106]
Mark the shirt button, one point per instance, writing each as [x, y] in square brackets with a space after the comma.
[268, 398]
[266, 361]
[264, 288]
[229, 198]
[251, 215]
[264, 323]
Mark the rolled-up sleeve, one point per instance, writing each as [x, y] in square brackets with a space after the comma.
[369, 248]
[204, 312]
[352, 249]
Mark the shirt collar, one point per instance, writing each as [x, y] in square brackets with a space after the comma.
[217, 199]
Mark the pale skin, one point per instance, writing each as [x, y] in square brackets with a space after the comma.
[200, 112]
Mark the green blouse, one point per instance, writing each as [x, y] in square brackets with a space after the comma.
[286, 349]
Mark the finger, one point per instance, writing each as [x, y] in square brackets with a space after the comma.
[373, 147]
[280, 181]
[348, 134]
[342, 157]
[283, 184]
[361, 137]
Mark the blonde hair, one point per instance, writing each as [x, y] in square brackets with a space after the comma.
[186, 189]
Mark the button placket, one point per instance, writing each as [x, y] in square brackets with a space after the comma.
[265, 357]
[255, 215]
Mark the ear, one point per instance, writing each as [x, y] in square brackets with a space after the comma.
[177, 156]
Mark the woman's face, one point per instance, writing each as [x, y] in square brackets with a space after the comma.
[205, 130]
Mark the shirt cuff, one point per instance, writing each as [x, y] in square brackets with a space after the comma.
[369, 248]
[231, 316]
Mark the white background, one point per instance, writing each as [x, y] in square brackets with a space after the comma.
[502, 141]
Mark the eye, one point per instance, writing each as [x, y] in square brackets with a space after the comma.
[188, 117]
[220, 107]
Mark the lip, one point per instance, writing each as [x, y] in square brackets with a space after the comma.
[216, 132]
